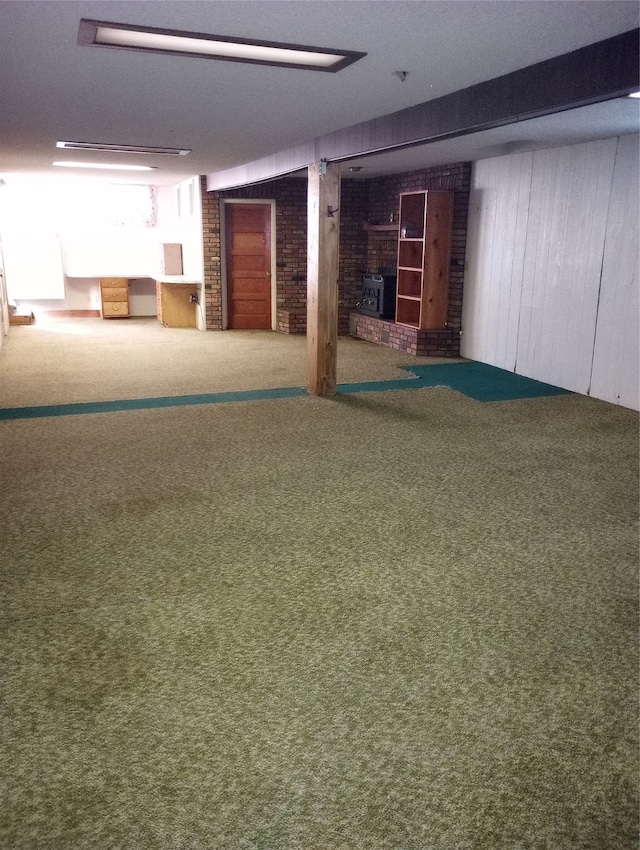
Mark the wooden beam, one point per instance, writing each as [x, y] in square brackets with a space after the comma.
[591, 74]
[323, 243]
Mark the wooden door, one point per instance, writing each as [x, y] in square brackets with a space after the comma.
[248, 261]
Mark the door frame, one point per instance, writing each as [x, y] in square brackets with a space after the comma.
[223, 255]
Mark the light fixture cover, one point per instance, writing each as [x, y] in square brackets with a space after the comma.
[206, 46]
[107, 166]
[100, 146]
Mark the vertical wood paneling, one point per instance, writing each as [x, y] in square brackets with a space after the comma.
[471, 342]
[568, 210]
[552, 254]
[589, 195]
[488, 307]
[498, 215]
[509, 265]
[540, 266]
[616, 355]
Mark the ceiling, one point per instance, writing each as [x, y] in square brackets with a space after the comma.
[229, 114]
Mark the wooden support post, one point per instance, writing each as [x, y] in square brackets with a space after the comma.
[323, 243]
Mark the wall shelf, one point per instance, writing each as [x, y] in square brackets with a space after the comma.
[424, 256]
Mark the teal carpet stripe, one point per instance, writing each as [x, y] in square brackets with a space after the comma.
[148, 403]
[477, 380]
[483, 382]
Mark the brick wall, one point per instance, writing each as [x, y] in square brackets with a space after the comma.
[361, 201]
[211, 249]
[431, 343]
[353, 248]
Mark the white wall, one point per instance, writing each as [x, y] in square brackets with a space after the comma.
[57, 245]
[551, 287]
[110, 252]
[142, 297]
[617, 345]
[4, 305]
[180, 220]
[83, 293]
[79, 294]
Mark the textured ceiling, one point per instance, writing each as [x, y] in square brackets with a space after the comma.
[229, 113]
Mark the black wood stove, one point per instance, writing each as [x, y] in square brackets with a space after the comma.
[379, 294]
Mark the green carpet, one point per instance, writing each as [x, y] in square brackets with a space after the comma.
[476, 380]
[483, 382]
[387, 621]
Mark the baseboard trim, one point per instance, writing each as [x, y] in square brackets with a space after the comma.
[73, 314]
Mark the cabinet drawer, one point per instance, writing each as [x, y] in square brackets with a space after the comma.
[113, 282]
[115, 294]
[115, 309]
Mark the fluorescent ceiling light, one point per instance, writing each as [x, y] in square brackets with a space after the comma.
[103, 165]
[635, 94]
[99, 146]
[175, 42]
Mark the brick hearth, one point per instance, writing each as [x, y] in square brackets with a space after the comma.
[426, 343]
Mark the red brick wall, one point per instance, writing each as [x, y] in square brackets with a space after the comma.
[211, 248]
[361, 201]
[431, 343]
[353, 248]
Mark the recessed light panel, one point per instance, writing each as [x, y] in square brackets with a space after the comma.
[202, 45]
[108, 166]
[99, 146]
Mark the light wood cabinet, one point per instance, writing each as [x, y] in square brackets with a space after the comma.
[424, 256]
[114, 295]
[177, 304]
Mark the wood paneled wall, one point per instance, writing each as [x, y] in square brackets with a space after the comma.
[551, 288]
[616, 355]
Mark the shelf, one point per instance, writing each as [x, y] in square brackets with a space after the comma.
[410, 283]
[412, 214]
[424, 258]
[411, 254]
[408, 311]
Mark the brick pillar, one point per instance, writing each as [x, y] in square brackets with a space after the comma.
[212, 251]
